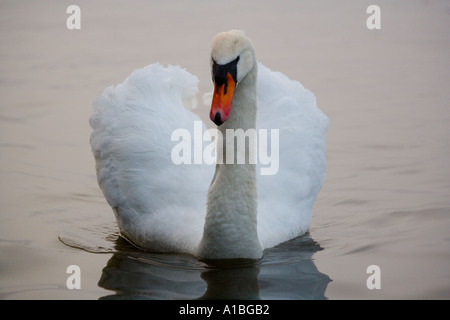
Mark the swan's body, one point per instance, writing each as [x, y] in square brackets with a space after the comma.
[222, 211]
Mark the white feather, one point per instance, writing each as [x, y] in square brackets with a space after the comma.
[161, 206]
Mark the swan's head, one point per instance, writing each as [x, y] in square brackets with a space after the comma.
[232, 58]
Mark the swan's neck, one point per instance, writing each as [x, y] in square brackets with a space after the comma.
[230, 229]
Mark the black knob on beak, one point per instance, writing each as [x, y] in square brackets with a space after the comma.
[217, 120]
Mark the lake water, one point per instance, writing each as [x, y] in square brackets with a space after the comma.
[386, 197]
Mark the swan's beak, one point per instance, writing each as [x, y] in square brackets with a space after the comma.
[222, 100]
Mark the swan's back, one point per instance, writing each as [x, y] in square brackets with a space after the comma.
[285, 199]
[154, 200]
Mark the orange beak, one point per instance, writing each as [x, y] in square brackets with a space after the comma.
[222, 100]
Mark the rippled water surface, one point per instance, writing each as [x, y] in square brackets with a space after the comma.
[385, 200]
[131, 273]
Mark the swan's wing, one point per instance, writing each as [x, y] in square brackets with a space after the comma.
[285, 199]
[158, 204]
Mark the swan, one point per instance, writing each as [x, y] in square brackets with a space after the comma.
[225, 211]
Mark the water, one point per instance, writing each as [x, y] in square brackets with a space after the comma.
[131, 274]
[134, 274]
[385, 200]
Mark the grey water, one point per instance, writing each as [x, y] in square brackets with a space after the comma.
[131, 274]
[385, 199]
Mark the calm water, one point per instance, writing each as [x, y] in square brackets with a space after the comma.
[385, 200]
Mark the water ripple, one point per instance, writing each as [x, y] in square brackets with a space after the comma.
[286, 271]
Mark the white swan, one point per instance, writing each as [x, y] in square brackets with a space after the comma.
[234, 212]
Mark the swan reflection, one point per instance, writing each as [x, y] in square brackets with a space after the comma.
[285, 272]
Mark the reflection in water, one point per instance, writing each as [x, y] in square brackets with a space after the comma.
[234, 280]
[285, 272]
